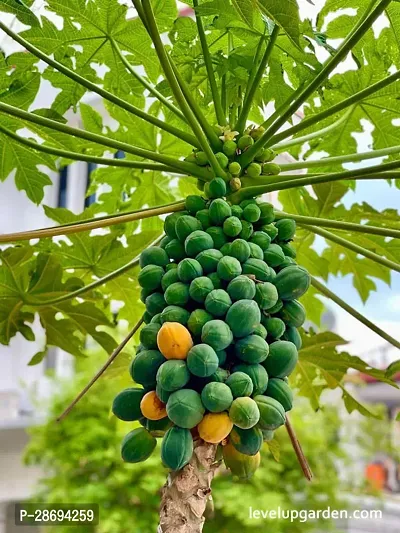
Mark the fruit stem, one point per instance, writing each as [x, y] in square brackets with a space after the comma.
[351, 40]
[112, 357]
[354, 247]
[180, 134]
[219, 113]
[75, 156]
[93, 224]
[340, 225]
[241, 124]
[103, 140]
[353, 312]
[298, 450]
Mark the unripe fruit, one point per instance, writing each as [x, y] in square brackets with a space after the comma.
[200, 185]
[191, 158]
[222, 159]
[235, 169]
[201, 159]
[256, 133]
[229, 148]
[235, 184]
[216, 188]
[271, 169]
[245, 142]
[265, 155]
[253, 170]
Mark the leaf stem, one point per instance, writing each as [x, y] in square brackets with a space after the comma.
[248, 101]
[369, 173]
[282, 146]
[91, 286]
[298, 450]
[180, 134]
[219, 113]
[152, 90]
[112, 357]
[189, 168]
[179, 96]
[351, 101]
[361, 318]
[94, 224]
[340, 225]
[75, 156]
[354, 247]
[350, 41]
[342, 159]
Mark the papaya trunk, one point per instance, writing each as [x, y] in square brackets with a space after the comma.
[186, 493]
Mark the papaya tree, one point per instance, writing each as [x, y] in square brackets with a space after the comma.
[189, 117]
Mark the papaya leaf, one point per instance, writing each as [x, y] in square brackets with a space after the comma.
[37, 358]
[393, 369]
[286, 14]
[21, 10]
[275, 449]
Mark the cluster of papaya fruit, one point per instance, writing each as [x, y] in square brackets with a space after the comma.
[221, 335]
[232, 146]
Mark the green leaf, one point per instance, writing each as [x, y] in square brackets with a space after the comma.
[275, 449]
[21, 10]
[37, 358]
[319, 359]
[286, 14]
[393, 369]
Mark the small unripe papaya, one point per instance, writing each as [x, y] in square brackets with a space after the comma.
[245, 142]
[271, 169]
[235, 184]
[253, 170]
[201, 159]
[222, 159]
[265, 155]
[229, 148]
[235, 169]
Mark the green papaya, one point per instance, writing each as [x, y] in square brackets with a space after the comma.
[137, 446]
[126, 405]
[176, 448]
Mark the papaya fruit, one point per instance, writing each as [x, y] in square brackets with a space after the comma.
[209, 260]
[266, 295]
[218, 236]
[144, 367]
[257, 374]
[268, 434]
[262, 239]
[217, 187]
[282, 359]
[241, 288]
[162, 394]
[217, 334]
[232, 226]
[152, 407]
[243, 317]
[244, 412]
[247, 441]
[189, 269]
[261, 331]
[174, 340]
[252, 349]
[155, 303]
[157, 428]
[241, 465]
[204, 218]
[126, 405]
[215, 427]
[148, 335]
[292, 282]
[137, 446]
[258, 268]
[219, 210]
[271, 230]
[194, 203]
[291, 334]
[175, 250]
[226, 248]
[280, 391]
[218, 284]
[216, 397]
[153, 255]
[275, 327]
[240, 250]
[228, 268]
[185, 409]
[177, 294]
[274, 255]
[202, 361]
[217, 302]
[267, 214]
[173, 375]
[150, 277]
[293, 313]
[286, 229]
[196, 321]
[251, 212]
[247, 230]
[272, 413]
[170, 223]
[176, 448]
[288, 250]
[200, 288]
[169, 278]
[185, 225]
[197, 242]
[240, 384]
[174, 313]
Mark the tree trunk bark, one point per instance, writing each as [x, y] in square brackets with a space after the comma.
[186, 493]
